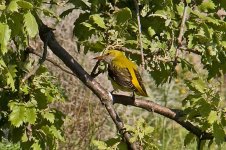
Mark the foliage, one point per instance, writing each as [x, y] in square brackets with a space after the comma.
[171, 50]
[140, 132]
[26, 116]
[106, 24]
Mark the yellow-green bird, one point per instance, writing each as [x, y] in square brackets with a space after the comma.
[123, 72]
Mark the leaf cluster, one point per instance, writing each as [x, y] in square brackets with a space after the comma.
[141, 132]
[26, 115]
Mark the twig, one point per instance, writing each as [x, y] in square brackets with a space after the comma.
[179, 39]
[41, 61]
[191, 50]
[158, 15]
[139, 32]
[130, 51]
[181, 33]
[31, 50]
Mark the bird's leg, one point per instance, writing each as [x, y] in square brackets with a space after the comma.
[112, 92]
[112, 97]
[133, 96]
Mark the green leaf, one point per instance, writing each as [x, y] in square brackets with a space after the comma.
[205, 108]
[145, 10]
[88, 25]
[123, 15]
[206, 18]
[11, 74]
[30, 24]
[198, 84]
[2, 64]
[223, 43]
[218, 133]
[151, 31]
[98, 20]
[82, 32]
[36, 146]
[188, 138]
[56, 133]
[65, 13]
[31, 112]
[25, 4]
[100, 144]
[5, 33]
[24, 138]
[50, 13]
[49, 116]
[31, 115]
[2, 7]
[13, 6]
[148, 130]
[17, 116]
[207, 5]
[112, 141]
[80, 4]
[212, 117]
[188, 1]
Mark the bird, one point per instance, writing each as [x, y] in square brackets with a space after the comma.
[123, 73]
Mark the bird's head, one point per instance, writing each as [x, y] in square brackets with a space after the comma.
[110, 55]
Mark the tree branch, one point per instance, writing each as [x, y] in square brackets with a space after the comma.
[46, 34]
[172, 114]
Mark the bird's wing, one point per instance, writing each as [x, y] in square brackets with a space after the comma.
[121, 76]
[140, 87]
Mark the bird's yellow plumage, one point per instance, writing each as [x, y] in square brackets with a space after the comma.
[123, 72]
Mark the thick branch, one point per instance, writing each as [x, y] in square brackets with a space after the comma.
[175, 115]
[46, 34]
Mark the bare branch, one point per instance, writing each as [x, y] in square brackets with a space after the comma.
[191, 50]
[172, 114]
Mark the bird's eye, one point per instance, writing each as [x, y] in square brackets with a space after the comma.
[108, 53]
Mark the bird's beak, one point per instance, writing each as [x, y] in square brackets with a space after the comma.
[99, 57]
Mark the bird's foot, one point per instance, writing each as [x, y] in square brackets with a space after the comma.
[133, 96]
[111, 96]
[122, 131]
[112, 92]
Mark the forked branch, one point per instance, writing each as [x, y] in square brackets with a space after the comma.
[46, 34]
